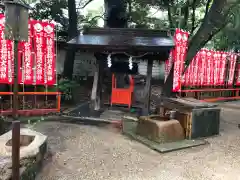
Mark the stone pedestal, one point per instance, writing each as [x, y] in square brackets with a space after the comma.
[160, 131]
[32, 151]
[199, 119]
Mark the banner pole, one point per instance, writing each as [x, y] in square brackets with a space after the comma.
[15, 81]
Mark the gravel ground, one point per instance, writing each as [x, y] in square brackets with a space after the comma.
[91, 153]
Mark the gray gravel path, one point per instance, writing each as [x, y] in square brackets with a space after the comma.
[91, 153]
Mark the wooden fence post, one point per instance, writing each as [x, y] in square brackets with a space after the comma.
[15, 150]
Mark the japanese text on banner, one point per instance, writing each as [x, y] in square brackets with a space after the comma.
[181, 39]
[27, 60]
[39, 51]
[232, 59]
[50, 70]
[3, 53]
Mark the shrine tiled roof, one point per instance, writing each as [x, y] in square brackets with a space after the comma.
[114, 39]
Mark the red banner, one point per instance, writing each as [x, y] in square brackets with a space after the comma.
[212, 68]
[38, 38]
[222, 68]
[44, 72]
[177, 61]
[219, 64]
[196, 68]
[50, 64]
[232, 64]
[181, 40]
[199, 68]
[238, 75]
[27, 60]
[215, 68]
[208, 68]
[192, 66]
[202, 63]
[3, 54]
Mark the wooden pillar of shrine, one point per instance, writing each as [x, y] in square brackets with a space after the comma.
[147, 89]
[96, 96]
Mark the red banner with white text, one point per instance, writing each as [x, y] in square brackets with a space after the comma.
[232, 64]
[3, 54]
[39, 48]
[50, 63]
[208, 67]
[27, 59]
[238, 75]
[36, 58]
[181, 40]
[223, 67]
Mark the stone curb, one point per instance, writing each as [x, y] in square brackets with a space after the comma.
[73, 120]
[88, 120]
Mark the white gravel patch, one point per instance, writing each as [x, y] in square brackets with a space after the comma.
[90, 153]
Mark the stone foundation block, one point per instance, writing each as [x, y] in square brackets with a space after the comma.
[160, 131]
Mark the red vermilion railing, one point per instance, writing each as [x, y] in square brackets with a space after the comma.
[34, 110]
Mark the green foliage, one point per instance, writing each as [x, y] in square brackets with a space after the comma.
[188, 15]
[58, 11]
[90, 20]
[229, 37]
[139, 15]
[176, 14]
[66, 86]
[51, 10]
[169, 14]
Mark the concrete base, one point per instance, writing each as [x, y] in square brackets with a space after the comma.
[160, 131]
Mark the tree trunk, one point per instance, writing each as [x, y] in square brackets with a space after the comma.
[72, 33]
[116, 13]
[213, 22]
[185, 15]
[116, 17]
[147, 89]
[193, 16]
